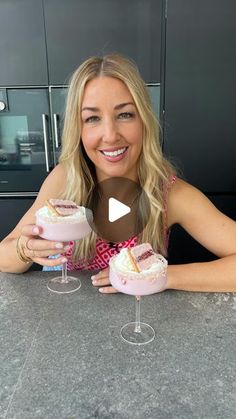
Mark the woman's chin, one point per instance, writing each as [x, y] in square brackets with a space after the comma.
[129, 173]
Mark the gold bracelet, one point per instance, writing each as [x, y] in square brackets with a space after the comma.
[20, 252]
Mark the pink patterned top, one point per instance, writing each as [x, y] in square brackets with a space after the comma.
[105, 250]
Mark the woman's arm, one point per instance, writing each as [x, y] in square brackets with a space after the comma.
[31, 245]
[215, 276]
[191, 209]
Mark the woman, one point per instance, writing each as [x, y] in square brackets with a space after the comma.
[109, 114]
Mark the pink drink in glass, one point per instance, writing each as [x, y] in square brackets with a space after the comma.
[138, 283]
[149, 281]
[63, 228]
[143, 285]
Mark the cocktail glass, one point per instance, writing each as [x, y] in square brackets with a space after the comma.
[64, 231]
[138, 284]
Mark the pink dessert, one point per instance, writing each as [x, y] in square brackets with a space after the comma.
[143, 256]
[62, 220]
[62, 207]
[138, 271]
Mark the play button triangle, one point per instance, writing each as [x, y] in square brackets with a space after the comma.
[116, 209]
[120, 209]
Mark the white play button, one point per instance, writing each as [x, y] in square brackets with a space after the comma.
[117, 210]
[120, 210]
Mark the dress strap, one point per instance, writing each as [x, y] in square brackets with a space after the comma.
[166, 191]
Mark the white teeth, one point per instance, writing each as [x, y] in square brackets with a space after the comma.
[114, 153]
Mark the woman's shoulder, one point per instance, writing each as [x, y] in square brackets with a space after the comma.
[182, 199]
[56, 178]
[53, 186]
[181, 189]
[59, 170]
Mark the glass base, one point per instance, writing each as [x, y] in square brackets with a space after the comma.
[72, 284]
[145, 335]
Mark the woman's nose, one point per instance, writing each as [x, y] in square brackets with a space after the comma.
[110, 133]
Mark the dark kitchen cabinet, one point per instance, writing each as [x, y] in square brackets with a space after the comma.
[11, 211]
[22, 43]
[76, 29]
[200, 86]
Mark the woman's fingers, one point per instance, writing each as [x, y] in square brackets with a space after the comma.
[102, 278]
[44, 245]
[42, 253]
[30, 242]
[98, 282]
[40, 249]
[102, 281]
[31, 230]
[50, 262]
[40, 244]
[107, 290]
[38, 252]
[102, 274]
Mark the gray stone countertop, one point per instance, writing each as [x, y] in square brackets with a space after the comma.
[61, 356]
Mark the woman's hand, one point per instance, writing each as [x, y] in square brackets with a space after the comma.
[38, 250]
[102, 281]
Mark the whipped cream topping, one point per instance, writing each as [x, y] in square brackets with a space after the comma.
[49, 216]
[123, 262]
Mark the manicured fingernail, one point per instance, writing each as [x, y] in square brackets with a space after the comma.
[35, 230]
[94, 282]
[63, 260]
[101, 289]
[58, 245]
[93, 277]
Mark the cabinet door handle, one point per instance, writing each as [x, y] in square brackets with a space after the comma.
[55, 119]
[45, 139]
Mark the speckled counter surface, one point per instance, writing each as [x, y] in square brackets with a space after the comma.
[61, 356]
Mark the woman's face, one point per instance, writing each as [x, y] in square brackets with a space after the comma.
[111, 128]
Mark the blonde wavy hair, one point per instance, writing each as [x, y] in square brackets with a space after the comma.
[154, 170]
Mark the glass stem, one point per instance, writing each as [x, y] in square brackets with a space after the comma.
[137, 328]
[64, 273]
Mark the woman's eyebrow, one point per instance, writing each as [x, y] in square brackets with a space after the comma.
[117, 107]
[122, 105]
[90, 108]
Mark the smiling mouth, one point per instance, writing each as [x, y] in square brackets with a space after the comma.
[115, 153]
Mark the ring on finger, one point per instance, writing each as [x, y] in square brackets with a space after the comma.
[32, 253]
[28, 248]
[26, 245]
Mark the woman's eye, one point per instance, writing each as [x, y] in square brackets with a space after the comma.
[126, 115]
[91, 119]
